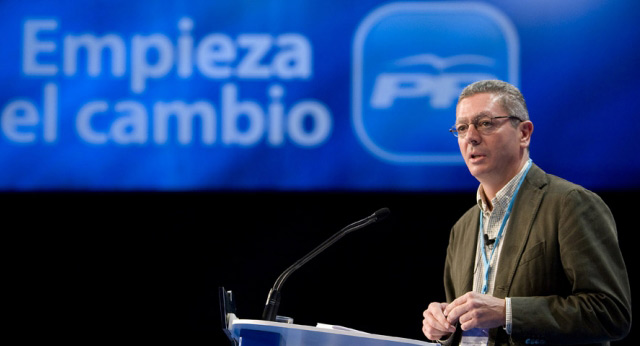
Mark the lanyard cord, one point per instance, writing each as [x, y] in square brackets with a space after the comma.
[487, 262]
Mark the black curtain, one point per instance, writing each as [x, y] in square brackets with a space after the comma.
[146, 267]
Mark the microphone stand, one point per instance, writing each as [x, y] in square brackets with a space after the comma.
[273, 299]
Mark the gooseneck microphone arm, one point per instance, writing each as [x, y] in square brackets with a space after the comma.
[273, 300]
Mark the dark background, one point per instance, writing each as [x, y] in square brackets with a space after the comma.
[82, 268]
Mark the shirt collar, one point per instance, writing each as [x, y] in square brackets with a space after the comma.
[502, 198]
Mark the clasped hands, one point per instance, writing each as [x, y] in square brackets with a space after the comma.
[471, 310]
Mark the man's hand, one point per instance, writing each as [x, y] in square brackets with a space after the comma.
[475, 310]
[435, 325]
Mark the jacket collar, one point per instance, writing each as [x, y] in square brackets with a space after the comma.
[524, 210]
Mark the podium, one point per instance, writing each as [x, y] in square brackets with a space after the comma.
[245, 332]
[268, 333]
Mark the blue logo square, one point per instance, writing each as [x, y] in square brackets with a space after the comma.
[410, 63]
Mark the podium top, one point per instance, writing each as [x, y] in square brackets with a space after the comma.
[295, 335]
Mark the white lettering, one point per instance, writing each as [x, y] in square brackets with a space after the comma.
[215, 53]
[32, 47]
[94, 47]
[83, 122]
[50, 111]
[242, 122]
[258, 46]
[133, 126]
[185, 115]
[443, 89]
[276, 115]
[141, 69]
[19, 118]
[185, 48]
[232, 110]
[294, 61]
[321, 123]
[390, 86]
[20, 113]
[217, 56]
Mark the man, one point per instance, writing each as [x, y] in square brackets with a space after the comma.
[537, 260]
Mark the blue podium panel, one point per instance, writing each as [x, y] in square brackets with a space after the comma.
[267, 333]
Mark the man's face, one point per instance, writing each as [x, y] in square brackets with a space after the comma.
[492, 158]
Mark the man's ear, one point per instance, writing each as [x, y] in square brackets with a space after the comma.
[526, 129]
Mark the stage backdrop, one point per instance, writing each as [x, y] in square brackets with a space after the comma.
[305, 95]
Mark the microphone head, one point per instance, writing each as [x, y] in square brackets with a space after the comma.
[381, 214]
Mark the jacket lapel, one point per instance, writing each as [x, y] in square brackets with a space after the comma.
[518, 229]
[471, 248]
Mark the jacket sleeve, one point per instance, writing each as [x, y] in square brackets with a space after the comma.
[458, 271]
[596, 305]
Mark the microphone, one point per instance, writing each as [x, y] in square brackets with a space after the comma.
[273, 299]
[488, 241]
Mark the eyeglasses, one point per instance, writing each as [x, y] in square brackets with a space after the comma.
[483, 124]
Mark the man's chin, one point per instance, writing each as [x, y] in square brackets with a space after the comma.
[478, 171]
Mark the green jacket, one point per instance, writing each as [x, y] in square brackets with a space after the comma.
[560, 264]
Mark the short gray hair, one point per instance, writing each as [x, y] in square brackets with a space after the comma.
[510, 98]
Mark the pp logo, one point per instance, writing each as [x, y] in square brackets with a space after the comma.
[410, 63]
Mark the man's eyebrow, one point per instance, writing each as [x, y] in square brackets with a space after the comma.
[483, 114]
[478, 116]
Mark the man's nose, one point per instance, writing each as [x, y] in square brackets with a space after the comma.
[473, 135]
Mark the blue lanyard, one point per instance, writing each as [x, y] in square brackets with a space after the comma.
[487, 262]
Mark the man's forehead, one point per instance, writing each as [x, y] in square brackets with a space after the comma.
[478, 105]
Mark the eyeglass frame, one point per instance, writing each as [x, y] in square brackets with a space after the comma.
[454, 130]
